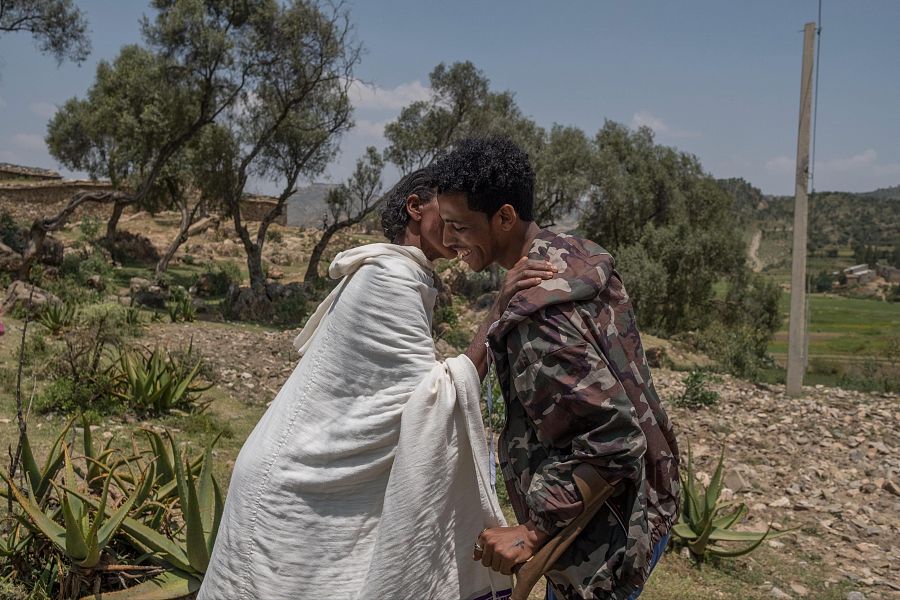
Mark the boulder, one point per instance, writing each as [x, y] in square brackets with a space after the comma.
[10, 260]
[20, 295]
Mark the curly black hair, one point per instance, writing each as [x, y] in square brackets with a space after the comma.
[491, 172]
[394, 216]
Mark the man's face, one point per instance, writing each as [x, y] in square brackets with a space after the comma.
[468, 233]
[432, 232]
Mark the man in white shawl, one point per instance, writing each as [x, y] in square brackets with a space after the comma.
[368, 476]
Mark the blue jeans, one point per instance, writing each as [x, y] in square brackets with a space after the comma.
[657, 554]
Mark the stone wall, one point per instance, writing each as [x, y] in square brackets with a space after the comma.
[254, 208]
[27, 201]
[17, 172]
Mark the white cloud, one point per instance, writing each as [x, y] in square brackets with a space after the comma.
[367, 96]
[864, 162]
[780, 165]
[660, 127]
[42, 109]
[28, 141]
[365, 128]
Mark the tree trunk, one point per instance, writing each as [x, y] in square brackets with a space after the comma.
[254, 266]
[113, 223]
[187, 219]
[312, 269]
[36, 237]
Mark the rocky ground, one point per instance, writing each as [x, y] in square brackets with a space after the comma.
[827, 463]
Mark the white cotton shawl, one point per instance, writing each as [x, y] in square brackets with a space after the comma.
[367, 477]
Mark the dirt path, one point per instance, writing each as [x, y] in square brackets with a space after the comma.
[753, 252]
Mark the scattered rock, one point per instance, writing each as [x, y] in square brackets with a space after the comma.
[735, 478]
[777, 593]
[20, 295]
[96, 282]
[890, 487]
[138, 283]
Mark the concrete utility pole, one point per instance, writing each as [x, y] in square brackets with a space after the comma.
[797, 333]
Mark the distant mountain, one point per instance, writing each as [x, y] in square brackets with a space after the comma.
[890, 193]
[306, 207]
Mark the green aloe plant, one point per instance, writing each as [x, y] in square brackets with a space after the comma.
[56, 316]
[156, 382]
[705, 522]
[187, 557]
[84, 536]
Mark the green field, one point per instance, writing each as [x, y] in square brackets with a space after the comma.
[851, 328]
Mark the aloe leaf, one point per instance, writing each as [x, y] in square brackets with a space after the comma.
[164, 464]
[165, 586]
[196, 540]
[76, 505]
[728, 521]
[46, 525]
[723, 553]
[31, 467]
[217, 516]
[112, 525]
[684, 531]
[715, 484]
[205, 494]
[76, 547]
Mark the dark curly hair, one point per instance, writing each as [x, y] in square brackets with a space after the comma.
[491, 172]
[394, 215]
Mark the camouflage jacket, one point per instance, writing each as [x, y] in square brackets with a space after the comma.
[578, 389]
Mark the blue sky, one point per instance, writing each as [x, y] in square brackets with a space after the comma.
[716, 78]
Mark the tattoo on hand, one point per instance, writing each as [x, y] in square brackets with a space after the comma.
[519, 543]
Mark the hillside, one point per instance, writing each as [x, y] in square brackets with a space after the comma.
[842, 225]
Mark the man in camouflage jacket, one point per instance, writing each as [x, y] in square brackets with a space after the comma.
[576, 384]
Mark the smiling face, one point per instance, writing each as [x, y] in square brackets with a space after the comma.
[432, 231]
[425, 229]
[470, 234]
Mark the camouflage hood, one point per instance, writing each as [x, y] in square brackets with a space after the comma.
[583, 271]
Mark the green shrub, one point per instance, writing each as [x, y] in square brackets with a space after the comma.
[217, 278]
[290, 310]
[65, 396]
[75, 271]
[696, 391]
[10, 232]
[77, 366]
[739, 350]
[273, 235]
[89, 228]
